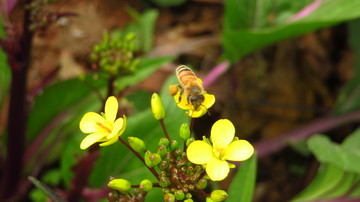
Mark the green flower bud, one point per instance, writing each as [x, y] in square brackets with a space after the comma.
[137, 144]
[174, 145]
[184, 131]
[163, 165]
[218, 195]
[189, 141]
[201, 184]
[179, 194]
[157, 107]
[162, 150]
[208, 199]
[120, 185]
[168, 197]
[164, 141]
[164, 182]
[188, 200]
[146, 185]
[152, 160]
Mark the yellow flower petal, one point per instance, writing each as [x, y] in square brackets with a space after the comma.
[91, 139]
[217, 170]
[118, 124]
[239, 150]
[110, 141]
[222, 133]
[181, 101]
[198, 113]
[111, 108]
[209, 100]
[199, 152]
[89, 122]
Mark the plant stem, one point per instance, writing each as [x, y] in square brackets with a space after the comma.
[267, 147]
[17, 117]
[152, 170]
[164, 129]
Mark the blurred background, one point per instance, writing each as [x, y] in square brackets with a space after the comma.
[281, 71]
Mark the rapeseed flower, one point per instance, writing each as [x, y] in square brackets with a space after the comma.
[104, 128]
[223, 146]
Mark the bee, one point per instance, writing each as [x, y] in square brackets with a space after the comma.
[191, 87]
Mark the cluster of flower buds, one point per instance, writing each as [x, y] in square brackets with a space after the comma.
[114, 54]
[122, 188]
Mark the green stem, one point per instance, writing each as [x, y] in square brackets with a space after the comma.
[152, 170]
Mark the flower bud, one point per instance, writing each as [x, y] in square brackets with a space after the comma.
[152, 160]
[218, 195]
[179, 194]
[168, 197]
[164, 181]
[184, 131]
[188, 200]
[146, 185]
[189, 141]
[201, 184]
[164, 141]
[157, 107]
[137, 144]
[162, 150]
[174, 145]
[120, 185]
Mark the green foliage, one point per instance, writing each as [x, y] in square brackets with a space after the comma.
[339, 172]
[50, 193]
[243, 184]
[342, 156]
[142, 27]
[245, 26]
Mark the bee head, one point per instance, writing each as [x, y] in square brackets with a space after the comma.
[196, 100]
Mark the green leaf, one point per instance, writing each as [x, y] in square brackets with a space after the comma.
[326, 179]
[142, 27]
[243, 184]
[239, 41]
[346, 184]
[329, 152]
[145, 68]
[49, 192]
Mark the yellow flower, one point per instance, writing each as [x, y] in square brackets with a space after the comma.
[102, 128]
[182, 103]
[224, 147]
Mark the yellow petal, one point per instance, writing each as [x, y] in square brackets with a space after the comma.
[118, 124]
[209, 100]
[239, 150]
[91, 139]
[222, 133]
[217, 170]
[89, 122]
[198, 113]
[110, 141]
[181, 101]
[111, 108]
[199, 152]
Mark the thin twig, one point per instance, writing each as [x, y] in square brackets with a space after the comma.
[164, 129]
[152, 170]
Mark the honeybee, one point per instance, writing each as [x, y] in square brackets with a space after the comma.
[191, 87]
